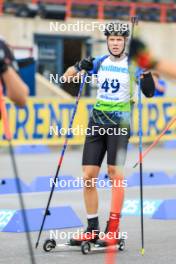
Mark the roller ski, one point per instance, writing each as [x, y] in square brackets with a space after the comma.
[76, 242]
[91, 235]
[111, 240]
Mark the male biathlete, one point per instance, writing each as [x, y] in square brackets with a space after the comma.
[109, 124]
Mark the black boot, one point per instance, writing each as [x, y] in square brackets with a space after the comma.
[91, 233]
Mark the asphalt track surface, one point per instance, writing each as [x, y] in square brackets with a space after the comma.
[160, 236]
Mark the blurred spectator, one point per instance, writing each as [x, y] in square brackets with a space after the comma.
[16, 89]
[142, 57]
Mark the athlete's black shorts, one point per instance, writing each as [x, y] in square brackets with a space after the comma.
[102, 138]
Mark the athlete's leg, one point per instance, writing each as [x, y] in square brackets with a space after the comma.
[112, 229]
[117, 178]
[93, 154]
[90, 174]
[116, 155]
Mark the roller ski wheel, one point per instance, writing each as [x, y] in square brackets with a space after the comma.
[85, 247]
[49, 245]
[88, 247]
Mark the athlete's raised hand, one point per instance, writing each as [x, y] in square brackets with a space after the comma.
[85, 64]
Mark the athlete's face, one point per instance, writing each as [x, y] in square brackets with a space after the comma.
[116, 44]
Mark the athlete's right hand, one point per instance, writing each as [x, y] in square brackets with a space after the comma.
[85, 64]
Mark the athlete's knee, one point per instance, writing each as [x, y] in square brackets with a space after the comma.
[89, 181]
[115, 173]
[90, 177]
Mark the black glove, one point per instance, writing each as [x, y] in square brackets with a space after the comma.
[85, 64]
[147, 84]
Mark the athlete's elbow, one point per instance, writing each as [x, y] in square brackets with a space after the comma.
[20, 102]
[23, 99]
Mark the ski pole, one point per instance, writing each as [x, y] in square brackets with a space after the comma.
[60, 160]
[8, 137]
[134, 22]
[140, 160]
[156, 140]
